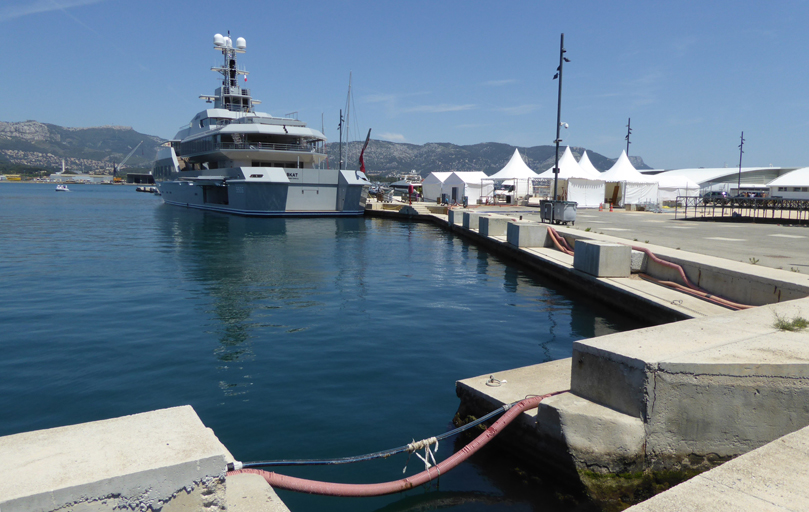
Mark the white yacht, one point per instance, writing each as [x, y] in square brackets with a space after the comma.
[233, 159]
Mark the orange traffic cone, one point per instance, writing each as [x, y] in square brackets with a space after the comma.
[601, 207]
[610, 206]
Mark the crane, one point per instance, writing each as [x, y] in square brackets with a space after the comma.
[116, 168]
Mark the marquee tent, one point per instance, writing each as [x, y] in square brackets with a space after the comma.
[669, 186]
[431, 186]
[794, 185]
[588, 167]
[625, 185]
[516, 174]
[472, 185]
[576, 184]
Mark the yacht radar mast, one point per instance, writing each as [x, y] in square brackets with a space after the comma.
[230, 96]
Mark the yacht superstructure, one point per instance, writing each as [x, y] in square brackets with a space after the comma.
[233, 159]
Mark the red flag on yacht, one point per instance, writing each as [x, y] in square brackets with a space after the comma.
[362, 153]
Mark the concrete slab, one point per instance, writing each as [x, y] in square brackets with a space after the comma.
[602, 259]
[493, 225]
[471, 219]
[247, 492]
[773, 477]
[455, 216]
[527, 234]
[161, 459]
[596, 437]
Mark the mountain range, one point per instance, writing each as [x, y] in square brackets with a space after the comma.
[31, 146]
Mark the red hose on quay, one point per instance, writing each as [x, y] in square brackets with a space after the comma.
[367, 490]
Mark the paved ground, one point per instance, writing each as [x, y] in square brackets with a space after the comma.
[777, 246]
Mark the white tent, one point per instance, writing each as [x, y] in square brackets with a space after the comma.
[588, 167]
[516, 174]
[472, 185]
[670, 186]
[625, 185]
[431, 186]
[576, 184]
[794, 185]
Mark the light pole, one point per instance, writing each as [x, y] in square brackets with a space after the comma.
[628, 131]
[741, 152]
[562, 60]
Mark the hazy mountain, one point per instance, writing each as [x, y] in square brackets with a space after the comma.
[42, 146]
[389, 158]
[31, 145]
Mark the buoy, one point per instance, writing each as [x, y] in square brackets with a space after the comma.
[610, 206]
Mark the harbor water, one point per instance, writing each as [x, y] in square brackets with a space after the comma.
[291, 338]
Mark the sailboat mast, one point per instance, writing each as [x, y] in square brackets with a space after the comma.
[348, 114]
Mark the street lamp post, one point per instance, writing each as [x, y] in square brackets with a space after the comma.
[741, 152]
[562, 60]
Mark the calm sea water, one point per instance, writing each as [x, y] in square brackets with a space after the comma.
[291, 338]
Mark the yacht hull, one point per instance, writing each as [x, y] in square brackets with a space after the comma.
[295, 193]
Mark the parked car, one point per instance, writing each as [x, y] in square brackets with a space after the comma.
[715, 197]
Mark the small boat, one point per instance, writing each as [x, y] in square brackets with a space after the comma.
[62, 188]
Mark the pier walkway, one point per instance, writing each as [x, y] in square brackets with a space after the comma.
[675, 399]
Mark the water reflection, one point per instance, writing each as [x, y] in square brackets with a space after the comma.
[253, 271]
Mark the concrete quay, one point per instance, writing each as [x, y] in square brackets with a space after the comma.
[164, 460]
[646, 409]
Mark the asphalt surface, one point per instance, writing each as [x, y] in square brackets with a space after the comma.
[778, 246]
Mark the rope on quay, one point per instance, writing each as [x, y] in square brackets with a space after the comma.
[512, 411]
[410, 448]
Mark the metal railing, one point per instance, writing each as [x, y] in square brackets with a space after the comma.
[763, 208]
[202, 146]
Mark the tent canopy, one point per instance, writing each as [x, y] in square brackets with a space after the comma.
[796, 178]
[431, 186]
[568, 168]
[515, 168]
[588, 167]
[623, 170]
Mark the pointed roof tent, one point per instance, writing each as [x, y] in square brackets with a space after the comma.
[588, 167]
[569, 168]
[436, 177]
[515, 168]
[623, 170]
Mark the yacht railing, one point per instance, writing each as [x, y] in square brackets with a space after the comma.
[206, 146]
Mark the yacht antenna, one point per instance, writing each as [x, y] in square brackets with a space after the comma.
[230, 96]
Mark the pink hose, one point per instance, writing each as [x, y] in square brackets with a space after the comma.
[366, 490]
[670, 265]
[560, 242]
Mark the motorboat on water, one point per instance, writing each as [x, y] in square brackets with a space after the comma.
[62, 188]
[233, 159]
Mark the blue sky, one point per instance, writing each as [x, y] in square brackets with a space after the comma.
[691, 75]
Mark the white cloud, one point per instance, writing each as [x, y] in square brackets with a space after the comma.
[498, 83]
[20, 9]
[393, 137]
[443, 107]
[519, 110]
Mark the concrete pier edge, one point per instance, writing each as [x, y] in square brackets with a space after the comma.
[623, 432]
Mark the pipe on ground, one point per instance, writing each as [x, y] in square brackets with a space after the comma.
[380, 489]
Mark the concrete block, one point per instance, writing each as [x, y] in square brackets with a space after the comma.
[523, 233]
[594, 435]
[471, 220]
[247, 492]
[637, 262]
[602, 259]
[493, 225]
[455, 216]
[161, 460]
